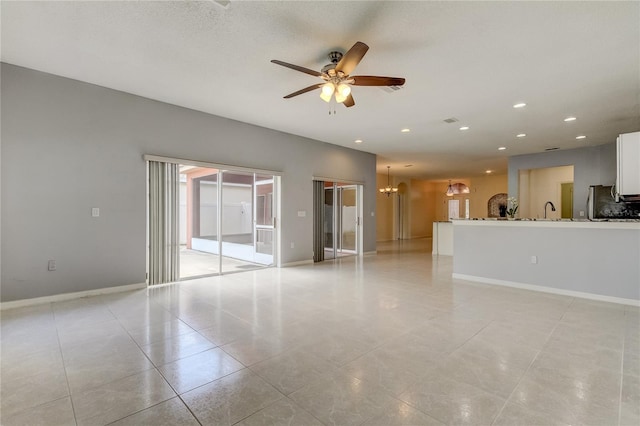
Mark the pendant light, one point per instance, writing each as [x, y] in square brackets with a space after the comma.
[388, 189]
[457, 188]
[450, 190]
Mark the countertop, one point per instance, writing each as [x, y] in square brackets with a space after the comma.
[630, 224]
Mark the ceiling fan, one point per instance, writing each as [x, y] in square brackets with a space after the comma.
[337, 76]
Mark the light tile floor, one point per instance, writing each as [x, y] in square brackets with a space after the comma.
[194, 263]
[390, 339]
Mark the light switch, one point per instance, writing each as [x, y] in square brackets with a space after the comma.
[95, 212]
[302, 213]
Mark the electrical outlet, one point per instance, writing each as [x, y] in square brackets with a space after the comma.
[293, 245]
[51, 266]
[581, 213]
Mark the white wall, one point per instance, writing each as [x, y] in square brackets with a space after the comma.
[237, 209]
[68, 146]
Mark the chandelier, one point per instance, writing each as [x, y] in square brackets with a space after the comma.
[388, 189]
[457, 188]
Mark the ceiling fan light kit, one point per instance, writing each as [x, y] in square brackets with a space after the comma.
[327, 91]
[337, 77]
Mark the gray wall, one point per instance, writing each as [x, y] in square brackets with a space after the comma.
[591, 166]
[589, 260]
[68, 146]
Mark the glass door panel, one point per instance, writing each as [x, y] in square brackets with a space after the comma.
[264, 219]
[329, 222]
[198, 221]
[349, 218]
[237, 221]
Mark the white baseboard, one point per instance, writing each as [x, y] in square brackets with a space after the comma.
[543, 289]
[69, 296]
[298, 263]
[370, 253]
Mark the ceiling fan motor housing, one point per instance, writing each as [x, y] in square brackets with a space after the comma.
[334, 57]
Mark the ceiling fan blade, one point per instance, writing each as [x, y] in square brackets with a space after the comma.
[297, 68]
[349, 102]
[352, 58]
[305, 90]
[370, 80]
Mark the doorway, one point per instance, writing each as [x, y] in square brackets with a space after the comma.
[337, 227]
[207, 220]
[228, 221]
[537, 186]
[566, 200]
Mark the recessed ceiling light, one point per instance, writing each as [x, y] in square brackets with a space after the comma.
[580, 137]
[521, 135]
[502, 148]
[488, 171]
[464, 128]
[358, 141]
[405, 130]
[520, 105]
[570, 119]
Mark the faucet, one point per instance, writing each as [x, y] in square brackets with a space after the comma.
[553, 208]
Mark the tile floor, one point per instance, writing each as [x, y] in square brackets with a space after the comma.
[195, 263]
[390, 339]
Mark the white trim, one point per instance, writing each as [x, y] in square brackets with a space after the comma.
[370, 253]
[298, 263]
[69, 296]
[543, 289]
[224, 167]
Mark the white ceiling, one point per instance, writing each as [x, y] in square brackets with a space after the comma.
[469, 60]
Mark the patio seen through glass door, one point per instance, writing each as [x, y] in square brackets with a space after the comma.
[226, 221]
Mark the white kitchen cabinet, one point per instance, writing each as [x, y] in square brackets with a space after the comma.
[628, 168]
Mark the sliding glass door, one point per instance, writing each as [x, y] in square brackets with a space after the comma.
[227, 221]
[348, 219]
[247, 220]
[265, 220]
[198, 221]
[330, 220]
[337, 219]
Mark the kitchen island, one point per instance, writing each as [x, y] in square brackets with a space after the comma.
[596, 260]
[442, 238]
